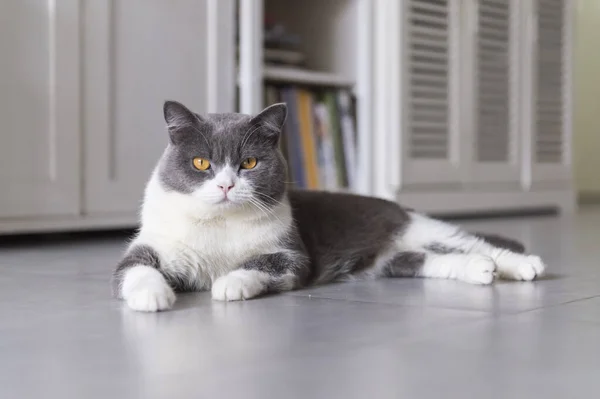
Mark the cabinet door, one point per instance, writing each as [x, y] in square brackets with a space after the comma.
[491, 77]
[39, 131]
[549, 69]
[431, 78]
[139, 53]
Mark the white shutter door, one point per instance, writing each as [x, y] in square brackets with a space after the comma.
[550, 102]
[493, 114]
[431, 98]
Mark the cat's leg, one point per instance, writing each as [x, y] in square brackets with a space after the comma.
[139, 281]
[471, 268]
[437, 237]
[275, 272]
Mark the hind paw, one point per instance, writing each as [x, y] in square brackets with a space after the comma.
[520, 267]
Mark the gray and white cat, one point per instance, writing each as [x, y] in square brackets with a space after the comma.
[217, 216]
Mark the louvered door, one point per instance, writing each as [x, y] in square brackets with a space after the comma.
[491, 71]
[549, 33]
[430, 144]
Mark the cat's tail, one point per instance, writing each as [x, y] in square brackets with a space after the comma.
[502, 242]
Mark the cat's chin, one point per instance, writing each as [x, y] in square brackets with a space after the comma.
[228, 206]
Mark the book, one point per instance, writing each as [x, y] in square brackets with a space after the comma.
[319, 136]
[347, 126]
[306, 119]
[336, 134]
[291, 131]
[326, 155]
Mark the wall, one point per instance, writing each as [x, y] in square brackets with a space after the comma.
[586, 140]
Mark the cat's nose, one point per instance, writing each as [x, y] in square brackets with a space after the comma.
[226, 188]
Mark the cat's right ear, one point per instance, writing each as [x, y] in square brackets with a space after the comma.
[179, 119]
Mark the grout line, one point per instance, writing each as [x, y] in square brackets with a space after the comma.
[556, 305]
[310, 296]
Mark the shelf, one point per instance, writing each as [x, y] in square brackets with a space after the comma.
[304, 76]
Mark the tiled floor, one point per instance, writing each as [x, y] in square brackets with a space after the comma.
[62, 336]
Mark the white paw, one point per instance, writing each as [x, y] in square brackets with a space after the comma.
[479, 270]
[521, 267]
[146, 290]
[529, 268]
[151, 298]
[237, 285]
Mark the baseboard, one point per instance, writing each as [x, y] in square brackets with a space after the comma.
[68, 224]
[478, 202]
[588, 198]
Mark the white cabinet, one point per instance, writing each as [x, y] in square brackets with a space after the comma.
[82, 88]
[482, 107]
[39, 108]
[137, 53]
[431, 80]
[549, 43]
[463, 105]
[461, 92]
[491, 79]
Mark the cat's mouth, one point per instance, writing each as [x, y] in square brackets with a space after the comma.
[226, 202]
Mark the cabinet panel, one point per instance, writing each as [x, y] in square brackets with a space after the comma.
[492, 62]
[431, 81]
[138, 53]
[550, 26]
[39, 108]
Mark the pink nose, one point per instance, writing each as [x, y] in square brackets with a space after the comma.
[226, 188]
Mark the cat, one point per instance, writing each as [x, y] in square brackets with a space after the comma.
[217, 216]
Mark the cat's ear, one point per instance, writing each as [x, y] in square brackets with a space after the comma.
[179, 119]
[272, 119]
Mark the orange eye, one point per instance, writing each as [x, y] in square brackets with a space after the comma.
[248, 163]
[201, 163]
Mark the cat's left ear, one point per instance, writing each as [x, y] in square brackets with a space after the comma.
[272, 119]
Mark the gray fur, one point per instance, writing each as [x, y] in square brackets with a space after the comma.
[344, 233]
[136, 255]
[441, 249]
[278, 266]
[502, 242]
[405, 264]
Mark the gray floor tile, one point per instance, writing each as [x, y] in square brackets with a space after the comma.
[200, 339]
[530, 355]
[63, 336]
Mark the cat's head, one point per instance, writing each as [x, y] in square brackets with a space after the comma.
[224, 160]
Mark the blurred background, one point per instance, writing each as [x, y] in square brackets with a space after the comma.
[453, 107]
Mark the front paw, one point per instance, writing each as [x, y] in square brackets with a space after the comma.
[146, 290]
[151, 298]
[238, 285]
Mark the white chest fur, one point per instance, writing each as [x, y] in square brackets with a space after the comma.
[192, 242]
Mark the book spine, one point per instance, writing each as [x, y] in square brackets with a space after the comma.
[327, 154]
[336, 135]
[348, 136]
[305, 107]
[292, 133]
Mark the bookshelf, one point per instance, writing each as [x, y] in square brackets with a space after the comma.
[334, 38]
[301, 76]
